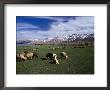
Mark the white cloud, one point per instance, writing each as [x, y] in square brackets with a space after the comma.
[79, 25]
[75, 25]
[51, 18]
[21, 26]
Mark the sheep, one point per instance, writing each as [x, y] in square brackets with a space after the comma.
[64, 54]
[21, 56]
[29, 55]
[56, 48]
[53, 48]
[52, 57]
[32, 54]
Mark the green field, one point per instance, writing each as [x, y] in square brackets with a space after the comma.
[81, 61]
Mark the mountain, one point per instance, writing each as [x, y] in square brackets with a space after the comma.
[69, 38]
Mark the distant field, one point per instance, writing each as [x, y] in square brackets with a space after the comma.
[81, 61]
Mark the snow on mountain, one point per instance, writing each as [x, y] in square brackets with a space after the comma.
[71, 37]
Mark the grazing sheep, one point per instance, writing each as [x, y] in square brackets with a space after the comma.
[29, 55]
[32, 54]
[21, 56]
[53, 48]
[52, 58]
[64, 54]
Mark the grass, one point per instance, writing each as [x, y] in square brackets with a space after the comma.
[81, 61]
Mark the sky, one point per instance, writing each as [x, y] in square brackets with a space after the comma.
[41, 27]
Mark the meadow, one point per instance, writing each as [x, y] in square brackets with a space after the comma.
[81, 61]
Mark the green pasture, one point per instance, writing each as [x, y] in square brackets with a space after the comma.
[81, 61]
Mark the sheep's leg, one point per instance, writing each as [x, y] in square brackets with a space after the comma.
[25, 58]
[66, 57]
[21, 59]
[28, 58]
[57, 62]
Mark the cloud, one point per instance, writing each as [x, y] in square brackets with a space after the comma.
[26, 26]
[54, 18]
[79, 25]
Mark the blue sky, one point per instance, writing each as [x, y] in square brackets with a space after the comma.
[41, 27]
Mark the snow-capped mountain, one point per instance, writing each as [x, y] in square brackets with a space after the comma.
[71, 38]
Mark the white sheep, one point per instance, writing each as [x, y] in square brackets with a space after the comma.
[29, 55]
[53, 48]
[21, 56]
[64, 54]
